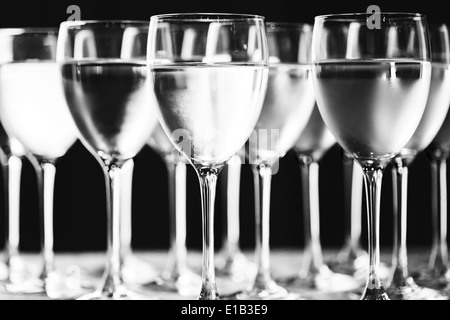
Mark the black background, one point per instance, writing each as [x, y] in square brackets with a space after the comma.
[80, 220]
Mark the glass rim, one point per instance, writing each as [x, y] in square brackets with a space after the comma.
[206, 17]
[28, 30]
[99, 22]
[290, 25]
[359, 16]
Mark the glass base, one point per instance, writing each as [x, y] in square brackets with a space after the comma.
[323, 280]
[411, 291]
[374, 294]
[271, 291]
[235, 267]
[354, 294]
[432, 279]
[24, 287]
[354, 265]
[119, 294]
[3, 271]
[137, 271]
[61, 286]
[22, 278]
[19, 270]
[56, 286]
[185, 283]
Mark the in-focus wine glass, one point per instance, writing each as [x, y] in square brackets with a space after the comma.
[437, 274]
[104, 74]
[287, 106]
[314, 275]
[352, 259]
[209, 103]
[230, 263]
[372, 101]
[177, 276]
[33, 110]
[401, 285]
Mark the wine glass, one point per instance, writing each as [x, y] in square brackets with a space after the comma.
[104, 75]
[437, 273]
[372, 100]
[314, 274]
[232, 263]
[177, 276]
[401, 285]
[135, 270]
[14, 269]
[41, 122]
[209, 103]
[287, 106]
[352, 259]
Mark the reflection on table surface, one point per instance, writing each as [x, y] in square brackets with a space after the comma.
[285, 263]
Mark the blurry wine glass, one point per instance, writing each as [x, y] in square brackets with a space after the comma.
[437, 274]
[287, 106]
[209, 103]
[40, 120]
[314, 141]
[370, 99]
[232, 263]
[352, 259]
[104, 74]
[176, 276]
[401, 285]
[13, 268]
[135, 270]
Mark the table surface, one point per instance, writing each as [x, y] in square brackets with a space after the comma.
[284, 264]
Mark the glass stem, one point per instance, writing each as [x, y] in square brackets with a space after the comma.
[348, 214]
[232, 194]
[46, 182]
[372, 178]
[353, 182]
[438, 263]
[177, 211]
[263, 177]
[112, 282]
[356, 207]
[312, 257]
[208, 182]
[12, 169]
[399, 270]
[126, 209]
